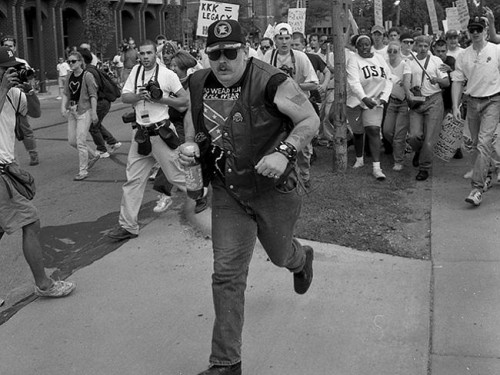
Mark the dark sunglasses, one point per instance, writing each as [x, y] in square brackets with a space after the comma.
[265, 47]
[408, 41]
[73, 61]
[473, 30]
[392, 51]
[230, 54]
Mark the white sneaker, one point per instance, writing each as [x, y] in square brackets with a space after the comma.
[358, 164]
[378, 174]
[468, 175]
[164, 202]
[103, 155]
[116, 146]
[397, 167]
[58, 98]
[475, 197]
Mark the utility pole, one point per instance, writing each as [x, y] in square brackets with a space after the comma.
[338, 110]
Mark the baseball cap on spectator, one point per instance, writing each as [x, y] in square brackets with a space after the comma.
[7, 58]
[477, 22]
[451, 34]
[282, 29]
[225, 34]
[378, 28]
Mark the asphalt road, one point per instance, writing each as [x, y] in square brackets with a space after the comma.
[74, 215]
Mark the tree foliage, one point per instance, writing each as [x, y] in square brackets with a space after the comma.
[99, 24]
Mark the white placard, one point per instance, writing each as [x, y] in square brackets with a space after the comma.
[297, 19]
[377, 7]
[433, 16]
[210, 11]
[463, 13]
[354, 25]
[452, 19]
[445, 25]
[269, 32]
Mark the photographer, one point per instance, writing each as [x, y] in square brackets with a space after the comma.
[27, 77]
[148, 89]
[129, 57]
[16, 211]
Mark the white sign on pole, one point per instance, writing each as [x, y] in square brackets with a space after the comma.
[210, 11]
[377, 6]
[297, 19]
[354, 25]
[463, 13]
[452, 19]
[433, 16]
[445, 25]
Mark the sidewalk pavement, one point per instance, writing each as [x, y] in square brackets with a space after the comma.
[147, 309]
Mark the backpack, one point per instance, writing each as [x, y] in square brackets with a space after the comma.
[107, 88]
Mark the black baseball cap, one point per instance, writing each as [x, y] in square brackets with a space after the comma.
[225, 34]
[477, 21]
[7, 58]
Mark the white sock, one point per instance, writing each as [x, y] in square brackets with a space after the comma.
[376, 165]
[360, 159]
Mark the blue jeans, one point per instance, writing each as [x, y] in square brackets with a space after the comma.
[483, 116]
[425, 125]
[396, 127]
[97, 131]
[236, 225]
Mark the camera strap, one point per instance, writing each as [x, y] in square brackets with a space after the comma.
[155, 76]
[18, 104]
[274, 60]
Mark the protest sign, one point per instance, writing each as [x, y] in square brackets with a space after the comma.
[269, 32]
[379, 19]
[210, 11]
[463, 13]
[450, 138]
[433, 16]
[452, 19]
[297, 19]
[354, 25]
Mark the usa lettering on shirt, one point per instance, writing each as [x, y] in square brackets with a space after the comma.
[370, 71]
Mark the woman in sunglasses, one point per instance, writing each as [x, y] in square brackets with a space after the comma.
[79, 106]
[396, 119]
[369, 88]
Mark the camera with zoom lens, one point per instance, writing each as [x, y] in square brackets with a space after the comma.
[154, 90]
[124, 47]
[289, 71]
[24, 74]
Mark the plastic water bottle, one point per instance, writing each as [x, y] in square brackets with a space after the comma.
[194, 177]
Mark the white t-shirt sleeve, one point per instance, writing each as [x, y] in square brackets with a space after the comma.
[128, 87]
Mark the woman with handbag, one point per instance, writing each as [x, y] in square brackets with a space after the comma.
[79, 106]
[396, 121]
[368, 89]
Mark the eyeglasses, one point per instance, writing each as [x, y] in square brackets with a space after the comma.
[473, 30]
[230, 54]
[392, 51]
[408, 41]
[73, 61]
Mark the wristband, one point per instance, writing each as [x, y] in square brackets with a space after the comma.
[287, 149]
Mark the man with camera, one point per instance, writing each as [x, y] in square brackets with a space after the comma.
[17, 211]
[248, 120]
[423, 82]
[148, 89]
[129, 57]
[26, 76]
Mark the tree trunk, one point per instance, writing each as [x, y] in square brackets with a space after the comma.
[338, 110]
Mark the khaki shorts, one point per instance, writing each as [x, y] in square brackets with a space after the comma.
[15, 212]
[359, 118]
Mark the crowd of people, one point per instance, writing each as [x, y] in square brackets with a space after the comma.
[251, 118]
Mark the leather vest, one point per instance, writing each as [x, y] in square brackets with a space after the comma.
[252, 130]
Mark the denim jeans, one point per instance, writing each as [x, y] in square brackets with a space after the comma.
[483, 116]
[236, 225]
[99, 133]
[425, 125]
[395, 128]
[78, 128]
